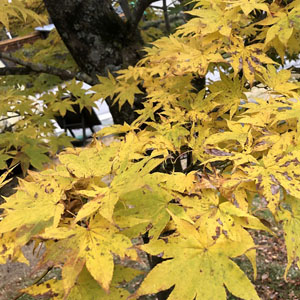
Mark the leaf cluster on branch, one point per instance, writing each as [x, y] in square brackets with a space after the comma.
[184, 173]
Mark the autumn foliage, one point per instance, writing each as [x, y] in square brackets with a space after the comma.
[186, 173]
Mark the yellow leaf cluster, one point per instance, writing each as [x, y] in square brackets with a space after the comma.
[187, 173]
[17, 9]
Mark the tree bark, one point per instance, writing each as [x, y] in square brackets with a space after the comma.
[98, 40]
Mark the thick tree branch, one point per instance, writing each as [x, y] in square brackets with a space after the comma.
[15, 71]
[30, 67]
[140, 7]
[126, 9]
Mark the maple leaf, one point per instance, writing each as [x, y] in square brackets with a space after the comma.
[247, 58]
[36, 155]
[127, 92]
[207, 267]
[291, 227]
[175, 57]
[288, 110]
[76, 95]
[56, 143]
[120, 164]
[279, 82]
[217, 219]
[92, 246]
[209, 20]
[102, 199]
[3, 158]
[232, 93]
[86, 287]
[106, 87]
[238, 133]
[175, 134]
[32, 208]
[274, 172]
[151, 215]
[247, 6]
[3, 176]
[63, 106]
[9, 250]
[18, 10]
[89, 162]
[283, 21]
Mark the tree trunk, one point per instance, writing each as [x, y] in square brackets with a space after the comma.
[98, 40]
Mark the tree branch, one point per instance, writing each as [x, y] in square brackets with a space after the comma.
[156, 23]
[10, 117]
[41, 68]
[15, 71]
[166, 17]
[35, 282]
[126, 9]
[140, 7]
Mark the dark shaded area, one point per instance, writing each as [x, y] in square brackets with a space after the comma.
[78, 120]
[9, 188]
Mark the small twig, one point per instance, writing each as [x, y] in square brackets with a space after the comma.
[40, 248]
[9, 117]
[259, 209]
[70, 213]
[166, 17]
[182, 154]
[36, 281]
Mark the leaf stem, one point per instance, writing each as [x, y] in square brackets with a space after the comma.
[34, 282]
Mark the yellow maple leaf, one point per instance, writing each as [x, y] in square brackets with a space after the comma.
[239, 133]
[86, 287]
[35, 206]
[209, 20]
[150, 215]
[106, 87]
[247, 6]
[3, 176]
[274, 172]
[84, 163]
[103, 200]
[16, 9]
[247, 58]
[207, 268]
[9, 250]
[289, 110]
[92, 246]
[279, 81]
[291, 227]
[232, 92]
[126, 92]
[283, 22]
